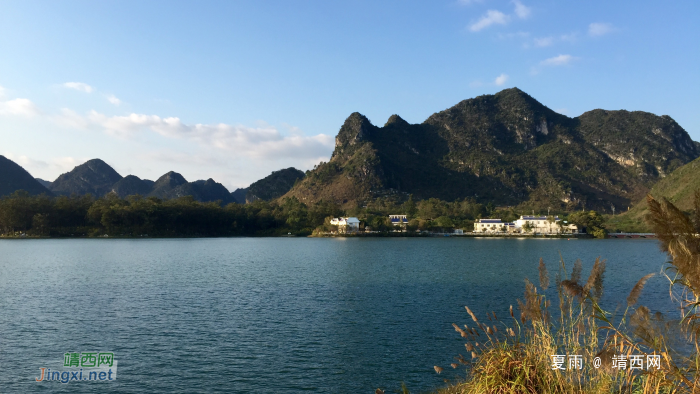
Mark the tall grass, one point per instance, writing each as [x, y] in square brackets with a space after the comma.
[515, 354]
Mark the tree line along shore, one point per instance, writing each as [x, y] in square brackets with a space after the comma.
[23, 215]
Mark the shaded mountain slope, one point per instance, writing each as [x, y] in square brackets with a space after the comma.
[164, 187]
[205, 191]
[274, 185]
[92, 177]
[131, 185]
[174, 185]
[13, 177]
[269, 188]
[43, 183]
[239, 195]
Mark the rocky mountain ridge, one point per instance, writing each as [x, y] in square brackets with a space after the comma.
[506, 148]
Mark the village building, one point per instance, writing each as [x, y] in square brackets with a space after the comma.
[398, 220]
[525, 225]
[544, 225]
[491, 226]
[346, 224]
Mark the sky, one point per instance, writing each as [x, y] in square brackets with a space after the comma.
[234, 90]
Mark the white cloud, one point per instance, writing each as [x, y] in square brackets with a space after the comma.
[562, 111]
[263, 142]
[510, 36]
[501, 79]
[521, 10]
[27, 162]
[568, 37]
[560, 60]
[82, 87]
[600, 29]
[176, 157]
[2, 93]
[56, 165]
[492, 17]
[114, 100]
[69, 119]
[544, 41]
[19, 106]
[541, 42]
[468, 2]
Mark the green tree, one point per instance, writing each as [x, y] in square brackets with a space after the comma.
[410, 208]
[444, 222]
[40, 224]
[591, 222]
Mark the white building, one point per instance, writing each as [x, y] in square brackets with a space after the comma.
[491, 226]
[544, 225]
[398, 220]
[536, 224]
[346, 225]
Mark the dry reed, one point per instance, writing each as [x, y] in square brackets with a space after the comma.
[517, 358]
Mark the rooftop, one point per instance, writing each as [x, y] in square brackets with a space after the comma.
[490, 221]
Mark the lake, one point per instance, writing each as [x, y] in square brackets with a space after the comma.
[275, 315]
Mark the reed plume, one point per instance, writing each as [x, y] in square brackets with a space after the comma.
[637, 290]
[471, 314]
[576, 272]
[594, 284]
[678, 236]
[544, 275]
[572, 288]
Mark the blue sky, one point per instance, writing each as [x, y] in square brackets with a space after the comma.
[233, 90]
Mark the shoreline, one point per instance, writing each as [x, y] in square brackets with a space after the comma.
[357, 235]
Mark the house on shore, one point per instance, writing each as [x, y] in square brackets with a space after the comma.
[398, 220]
[493, 226]
[346, 224]
[525, 225]
[544, 225]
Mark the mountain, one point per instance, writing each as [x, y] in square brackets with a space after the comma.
[649, 146]
[174, 185]
[271, 187]
[239, 195]
[506, 148]
[274, 185]
[43, 183]
[206, 191]
[13, 177]
[92, 177]
[130, 185]
[678, 187]
[164, 187]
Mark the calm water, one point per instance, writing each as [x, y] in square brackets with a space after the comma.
[273, 315]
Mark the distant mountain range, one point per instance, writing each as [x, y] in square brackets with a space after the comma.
[97, 178]
[507, 149]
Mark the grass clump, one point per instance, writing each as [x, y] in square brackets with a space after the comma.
[517, 355]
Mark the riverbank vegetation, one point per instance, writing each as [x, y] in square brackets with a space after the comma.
[632, 352]
[135, 216]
